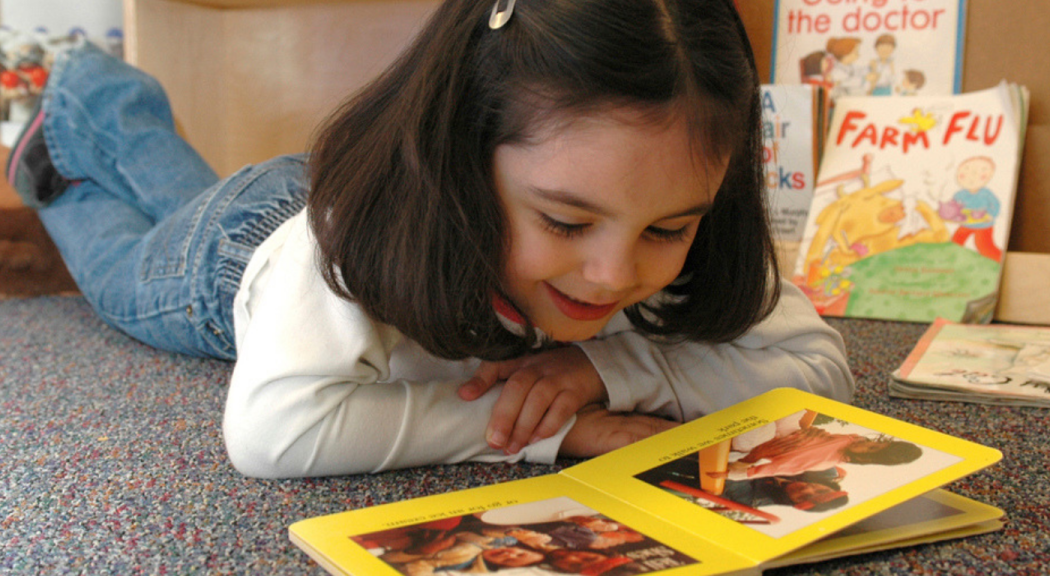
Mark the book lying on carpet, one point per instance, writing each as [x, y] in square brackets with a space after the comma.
[912, 207]
[757, 485]
[988, 364]
[882, 48]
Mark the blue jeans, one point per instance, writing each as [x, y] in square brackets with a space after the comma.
[155, 240]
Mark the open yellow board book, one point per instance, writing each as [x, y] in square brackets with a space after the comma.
[786, 477]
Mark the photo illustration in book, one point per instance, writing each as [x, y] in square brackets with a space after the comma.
[877, 48]
[773, 481]
[912, 207]
[552, 536]
[790, 473]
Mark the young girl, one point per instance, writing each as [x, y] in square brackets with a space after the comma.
[540, 232]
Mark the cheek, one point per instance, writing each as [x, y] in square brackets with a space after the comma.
[662, 265]
[533, 256]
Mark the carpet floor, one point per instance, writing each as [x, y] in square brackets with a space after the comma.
[112, 462]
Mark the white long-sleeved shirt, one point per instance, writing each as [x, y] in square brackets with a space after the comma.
[319, 388]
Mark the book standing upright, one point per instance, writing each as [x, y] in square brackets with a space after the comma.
[793, 125]
[877, 48]
[913, 204]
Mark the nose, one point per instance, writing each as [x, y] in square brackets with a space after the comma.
[614, 268]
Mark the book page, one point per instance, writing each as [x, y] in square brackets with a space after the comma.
[936, 516]
[719, 495]
[782, 470]
[539, 526]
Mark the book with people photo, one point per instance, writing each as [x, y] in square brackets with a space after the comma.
[760, 484]
[912, 207]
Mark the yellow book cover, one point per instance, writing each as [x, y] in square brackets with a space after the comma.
[939, 515]
[732, 492]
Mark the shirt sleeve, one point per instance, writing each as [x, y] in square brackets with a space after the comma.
[793, 347]
[311, 393]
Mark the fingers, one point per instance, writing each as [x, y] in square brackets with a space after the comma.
[488, 374]
[520, 407]
[507, 412]
[598, 431]
[638, 427]
[561, 409]
[485, 378]
[541, 392]
[531, 407]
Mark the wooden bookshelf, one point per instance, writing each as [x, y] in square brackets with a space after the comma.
[251, 79]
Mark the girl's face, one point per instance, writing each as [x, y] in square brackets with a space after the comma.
[601, 210]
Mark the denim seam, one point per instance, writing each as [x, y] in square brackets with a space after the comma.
[216, 214]
[229, 269]
[231, 272]
[178, 268]
[67, 167]
[57, 71]
[271, 219]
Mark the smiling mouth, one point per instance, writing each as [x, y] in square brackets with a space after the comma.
[577, 310]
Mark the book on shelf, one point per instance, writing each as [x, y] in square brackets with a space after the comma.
[783, 478]
[794, 118]
[879, 48]
[912, 207]
[988, 364]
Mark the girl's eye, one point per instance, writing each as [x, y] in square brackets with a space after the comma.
[665, 235]
[562, 228]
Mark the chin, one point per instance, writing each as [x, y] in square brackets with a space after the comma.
[574, 334]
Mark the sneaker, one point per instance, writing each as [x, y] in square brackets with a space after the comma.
[29, 167]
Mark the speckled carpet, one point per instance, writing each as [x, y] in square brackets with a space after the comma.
[111, 462]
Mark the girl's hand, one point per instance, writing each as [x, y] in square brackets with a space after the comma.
[598, 431]
[541, 393]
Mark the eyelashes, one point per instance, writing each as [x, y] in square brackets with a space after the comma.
[665, 235]
[559, 228]
[570, 230]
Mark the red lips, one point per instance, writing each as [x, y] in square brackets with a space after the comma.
[577, 310]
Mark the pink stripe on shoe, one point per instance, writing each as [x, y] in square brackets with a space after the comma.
[16, 154]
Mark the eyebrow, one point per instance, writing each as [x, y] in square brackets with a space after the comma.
[570, 199]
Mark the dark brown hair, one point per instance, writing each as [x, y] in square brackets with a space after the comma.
[916, 77]
[403, 203]
[891, 453]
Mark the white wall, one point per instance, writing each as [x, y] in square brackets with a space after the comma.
[96, 17]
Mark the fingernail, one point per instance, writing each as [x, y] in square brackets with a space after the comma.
[496, 439]
[513, 448]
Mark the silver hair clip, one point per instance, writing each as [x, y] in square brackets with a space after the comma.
[499, 18]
